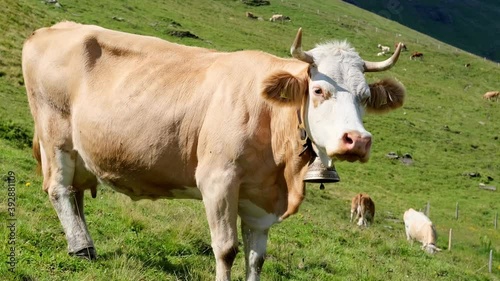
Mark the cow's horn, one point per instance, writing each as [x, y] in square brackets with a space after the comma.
[383, 65]
[296, 49]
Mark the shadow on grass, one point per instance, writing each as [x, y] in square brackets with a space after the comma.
[159, 258]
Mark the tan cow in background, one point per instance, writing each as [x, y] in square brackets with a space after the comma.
[275, 18]
[419, 227]
[492, 95]
[155, 119]
[362, 209]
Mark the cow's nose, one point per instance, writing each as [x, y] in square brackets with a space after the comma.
[356, 143]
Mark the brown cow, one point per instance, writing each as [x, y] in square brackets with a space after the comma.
[362, 209]
[251, 15]
[491, 95]
[403, 48]
[416, 55]
[155, 119]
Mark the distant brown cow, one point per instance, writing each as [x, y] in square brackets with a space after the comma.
[403, 47]
[363, 208]
[251, 16]
[491, 95]
[416, 55]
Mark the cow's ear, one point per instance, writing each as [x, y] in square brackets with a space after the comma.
[386, 95]
[284, 88]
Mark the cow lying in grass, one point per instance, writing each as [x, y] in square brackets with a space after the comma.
[419, 227]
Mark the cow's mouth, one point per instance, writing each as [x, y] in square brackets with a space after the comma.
[352, 157]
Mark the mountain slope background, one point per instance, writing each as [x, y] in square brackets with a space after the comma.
[470, 25]
[452, 134]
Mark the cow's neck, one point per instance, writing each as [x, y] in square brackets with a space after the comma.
[287, 147]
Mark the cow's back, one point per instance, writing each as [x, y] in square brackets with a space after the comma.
[70, 59]
[368, 207]
[491, 94]
[114, 98]
[419, 227]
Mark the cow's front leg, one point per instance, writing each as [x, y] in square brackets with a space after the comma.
[255, 224]
[255, 244]
[220, 196]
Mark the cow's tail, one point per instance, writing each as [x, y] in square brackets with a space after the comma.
[36, 153]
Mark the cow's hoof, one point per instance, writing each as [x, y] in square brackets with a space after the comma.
[85, 253]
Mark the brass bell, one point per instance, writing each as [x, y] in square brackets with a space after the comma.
[318, 173]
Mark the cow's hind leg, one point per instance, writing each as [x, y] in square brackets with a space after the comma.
[369, 219]
[359, 215]
[89, 250]
[58, 168]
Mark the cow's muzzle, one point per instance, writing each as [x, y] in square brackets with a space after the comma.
[353, 146]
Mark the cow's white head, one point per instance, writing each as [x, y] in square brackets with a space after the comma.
[334, 95]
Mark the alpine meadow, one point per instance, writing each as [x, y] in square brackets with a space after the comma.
[439, 153]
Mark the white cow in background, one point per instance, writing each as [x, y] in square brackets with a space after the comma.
[385, 49]
[419, 227]
[275, 18]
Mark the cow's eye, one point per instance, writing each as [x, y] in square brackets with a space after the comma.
[318, 91]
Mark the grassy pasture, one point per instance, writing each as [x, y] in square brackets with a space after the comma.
[445, 125]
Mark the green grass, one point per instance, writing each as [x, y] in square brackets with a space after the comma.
[445, 125]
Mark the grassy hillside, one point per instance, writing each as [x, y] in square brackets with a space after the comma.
[445, 125]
